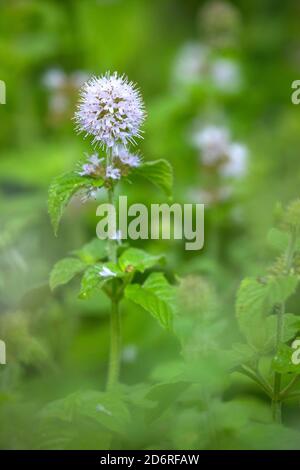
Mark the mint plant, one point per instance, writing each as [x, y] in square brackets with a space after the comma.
[111, 111]
[264, 319]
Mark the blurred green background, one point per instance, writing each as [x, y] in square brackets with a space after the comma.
[57, 344]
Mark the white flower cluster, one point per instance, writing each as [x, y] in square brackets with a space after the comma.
[195, 64]
[61, 87]
[226, 75]
[111, 110]
[56, 78]
[191, 63]
[217, 149]
[213, 143]
[236, 165]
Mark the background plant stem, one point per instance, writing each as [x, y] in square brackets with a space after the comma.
[277, 399]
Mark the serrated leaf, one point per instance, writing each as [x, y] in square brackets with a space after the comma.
[283, 361]
[92, 281]
[138, 259]
[64, 270]
[93, 251]
[255, 298]
[62, 189]
[159, 172]
[156, 296]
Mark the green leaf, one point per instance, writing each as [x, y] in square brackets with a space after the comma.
[139, 260]
[156, 296]
[255, 299]
[291, 326]
[240, 354]
[106, 409]
[163, 395]
[93, 251]
[61, 191]
[64, 270]
[92, 281]
[278, 239]
[283, 361]
[159, 172]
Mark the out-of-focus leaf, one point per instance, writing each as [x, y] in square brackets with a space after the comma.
[64, 270]
[258, 436]
[278, 239]
[283, 361]
[164, 394]
[138, 260]
[159, 172]
[92, 252]
[291, 326]
[156, 296]
[240, 354]
[92, 281]
[254, 300]
[106, 409]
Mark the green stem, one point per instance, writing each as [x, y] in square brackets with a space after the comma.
[277, 396]
[115, 324]
[112, 243]
[115, 345]
[248, 372]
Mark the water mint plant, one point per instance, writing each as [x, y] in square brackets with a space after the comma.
[111, 112]
[263, 314]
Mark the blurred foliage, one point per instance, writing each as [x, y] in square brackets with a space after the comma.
[176, 390]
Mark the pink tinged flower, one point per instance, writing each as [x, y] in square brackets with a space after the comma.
[111, 110]
[92, 165]
[94, 159]
[87, 169]
[113, 173]
[106, 272]
[130, 160]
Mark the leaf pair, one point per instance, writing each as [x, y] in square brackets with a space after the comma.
[156, 295]
[65, 186]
